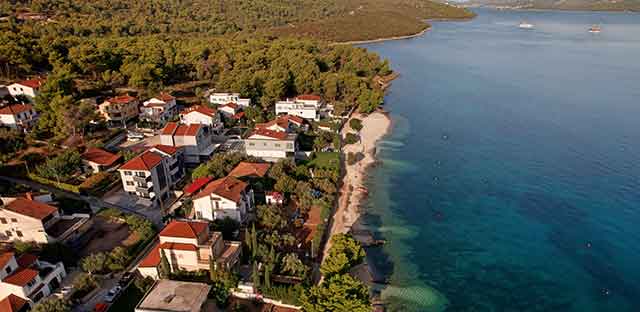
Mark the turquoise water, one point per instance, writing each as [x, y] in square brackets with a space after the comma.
[511, 180]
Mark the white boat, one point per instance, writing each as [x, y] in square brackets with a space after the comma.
[594, 29]
[525, 25]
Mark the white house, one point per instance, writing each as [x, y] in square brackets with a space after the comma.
[96, 160]
[196, 139]
[202, 115]
[283, 123]
[188, 245]
[28, 88]
[226, 197]
[28, 277]
[159, 109]
[224, 98]
[152, 174]
[24, 219]
[18, 116]
[306, 106]
[229, 109]
[270, 145]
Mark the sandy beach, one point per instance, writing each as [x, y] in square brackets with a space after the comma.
[353, 191]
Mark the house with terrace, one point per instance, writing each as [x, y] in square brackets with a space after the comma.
[28, 277]
[250, 170]
[202, 115]
[151, 175]
[118, 110]
[283, 123]
[97, 160]
[27, 220]
[222, 198]
[195, 139]
[229, 110]
[190, 245]
[224, 98]
[159, 110]
[18, 116]
[271, 145]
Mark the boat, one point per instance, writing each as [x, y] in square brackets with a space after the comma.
[525, 25]
[594, 29]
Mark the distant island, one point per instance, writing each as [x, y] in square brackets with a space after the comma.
[585, 5]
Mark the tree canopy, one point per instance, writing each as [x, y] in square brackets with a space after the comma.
[338, 293]
[345, 252]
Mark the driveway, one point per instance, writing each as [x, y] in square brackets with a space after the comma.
[118, 197]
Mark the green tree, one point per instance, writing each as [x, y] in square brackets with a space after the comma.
[165, 267]
[94, 263]
[355, 124]
[338, 293]
[62, 166]
[345, 252]
[351, 138]
[118, 259]
[255, 275]
[291, 264]
[52, 305]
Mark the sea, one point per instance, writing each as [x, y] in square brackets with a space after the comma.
[511, 178]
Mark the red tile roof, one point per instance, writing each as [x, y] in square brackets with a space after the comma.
[5, 257]
[12, 303]
[239, 115]
[152, 259]
[184, 229]
[166, 97]
[100, 156]
[168, 149]
[122, 99]
[280, 135]
[308, 97]
[32, 83]
[231, 104]
[196, 185]
[143, 162]
[175, 129]
[200, 109]
[227, 187]
[250, 169]
[31, 208]
[27, 260]
[21, 276]
[15, 109]
[178, 246]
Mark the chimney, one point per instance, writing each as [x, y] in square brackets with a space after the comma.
[29, 195]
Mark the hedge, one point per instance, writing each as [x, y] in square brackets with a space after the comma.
[60, 185]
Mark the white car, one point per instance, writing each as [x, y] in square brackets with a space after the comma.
[135, 136]
[112, 294]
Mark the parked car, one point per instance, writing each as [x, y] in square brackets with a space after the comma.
[112, 294]
[135, 136]
[125, 279]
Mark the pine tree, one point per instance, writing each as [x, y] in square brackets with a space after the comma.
[255, 276]
[213, 272]
[165, 267]
[254, 242]
[247, 239]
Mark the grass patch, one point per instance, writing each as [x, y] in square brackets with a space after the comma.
[326, 160]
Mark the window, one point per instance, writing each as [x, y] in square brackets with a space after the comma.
[277, 145]
[3, 220]
[19, 233]
[128, 173]
[8, 269]
[129, 183]
[9, 234]
[252, 144]
[140, 174]
[14, 220]
[199, 214]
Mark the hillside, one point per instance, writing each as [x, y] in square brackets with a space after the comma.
[592, 5]
[335, 20]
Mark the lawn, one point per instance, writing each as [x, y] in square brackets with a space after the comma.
[326, 160]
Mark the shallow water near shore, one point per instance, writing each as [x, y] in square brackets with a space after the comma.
[511, 179]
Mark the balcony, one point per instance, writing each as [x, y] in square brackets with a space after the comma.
[143, 180]
[144, 190]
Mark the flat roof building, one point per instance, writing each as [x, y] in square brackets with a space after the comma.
[175, 296]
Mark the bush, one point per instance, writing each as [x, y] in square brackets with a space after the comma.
[355, 124]
[351, 138]
[64, 186]
[345, 252]
[286, 294]
[82, 285]
[61, 167]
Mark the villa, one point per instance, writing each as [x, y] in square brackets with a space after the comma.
[196, 139]
[271, 145]
[202, 115]
[28, 277]
[18, 116]
[97, 160]
[224, 98]
[120, 109]
[159, 109]
[226, 197]
[27, 88]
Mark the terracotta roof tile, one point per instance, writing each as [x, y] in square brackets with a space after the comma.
[21, 276]
[200, 109]
[227, 187]
[31, 208]
[280, 135]
[167, 149]
[231, 104]
[196, 185]
[143, 162]
[122, 99]
[184, 229]
[15, 109]
[12, 303]
[166, 97]
[249, 169]
[100, 156]
[169, 128]
[308, 97]
[178, 246]
[32, 83]
[152, 259]
[27, 260]
[5, 257]
[176, 129]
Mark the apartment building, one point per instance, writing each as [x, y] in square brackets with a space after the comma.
[196, 139]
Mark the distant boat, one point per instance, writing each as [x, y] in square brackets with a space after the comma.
[594, 29]
[525, 25]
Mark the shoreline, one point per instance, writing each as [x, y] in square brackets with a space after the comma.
[353, 191]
